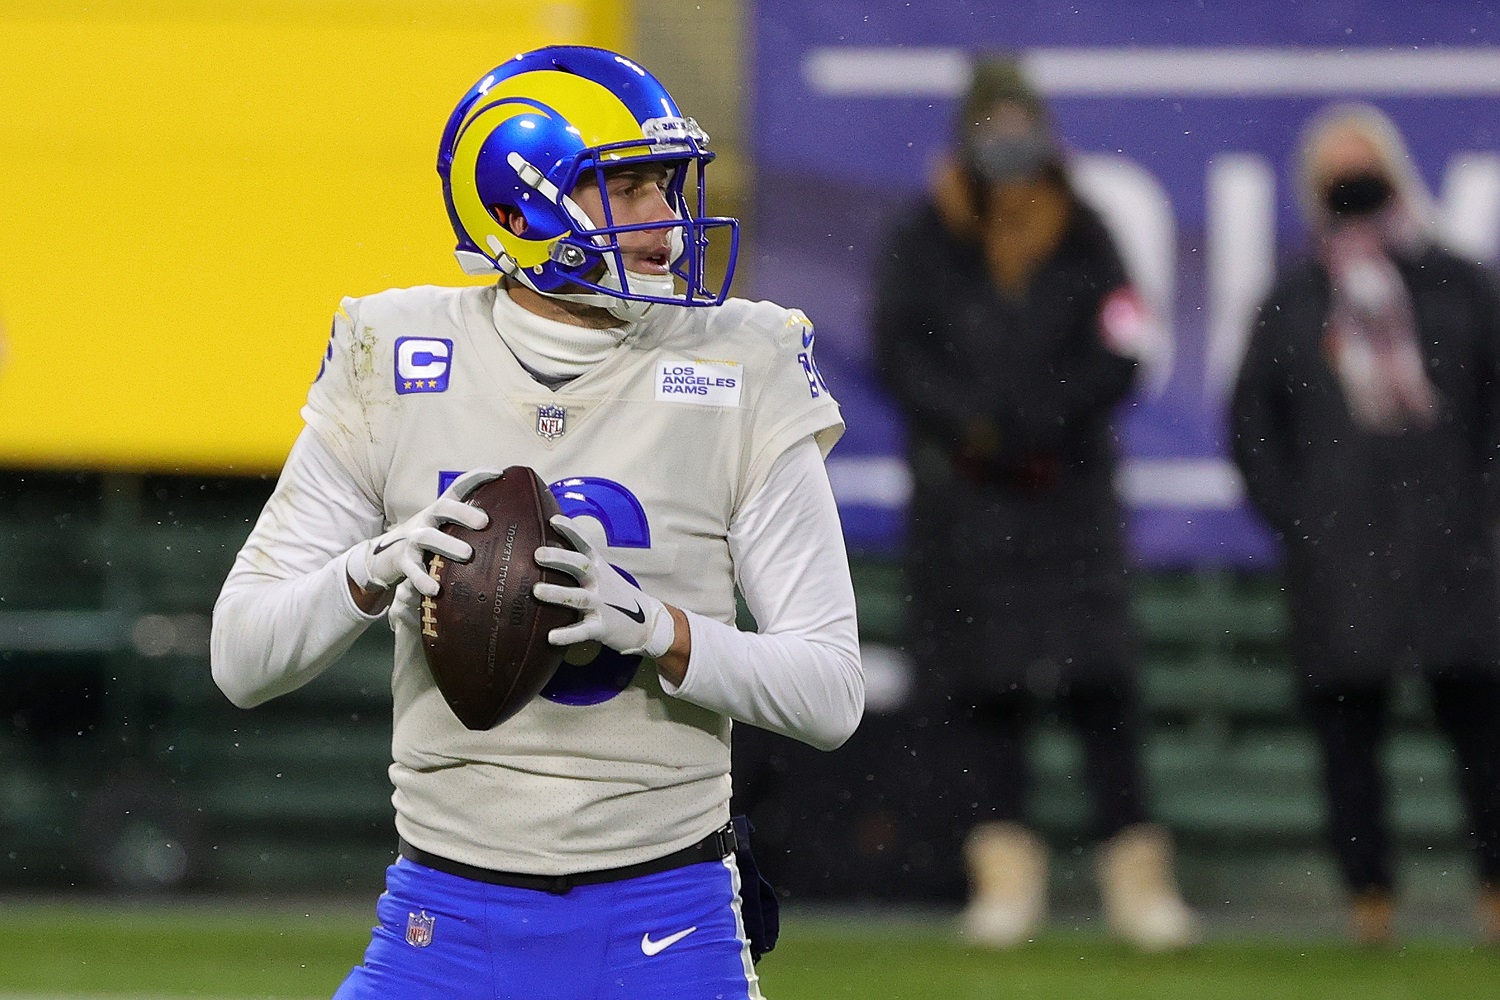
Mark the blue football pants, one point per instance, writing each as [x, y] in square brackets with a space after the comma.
[673, 934]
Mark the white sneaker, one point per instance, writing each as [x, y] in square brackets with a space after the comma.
[1142, 904]
[1008, 885]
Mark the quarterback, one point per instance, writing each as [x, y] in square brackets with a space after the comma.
[584, 847]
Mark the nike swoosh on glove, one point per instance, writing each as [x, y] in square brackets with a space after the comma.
[612, 610]
[401, 553]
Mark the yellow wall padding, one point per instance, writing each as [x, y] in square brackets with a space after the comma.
[187, 189]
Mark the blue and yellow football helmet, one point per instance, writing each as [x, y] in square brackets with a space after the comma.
[525, 135]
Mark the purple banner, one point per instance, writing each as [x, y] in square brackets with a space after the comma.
[1181, 120]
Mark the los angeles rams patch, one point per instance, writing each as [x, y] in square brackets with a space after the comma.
[422, 364]
[705, 383]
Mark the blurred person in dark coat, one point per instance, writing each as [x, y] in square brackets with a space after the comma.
[1007, 332]
[1366, 424]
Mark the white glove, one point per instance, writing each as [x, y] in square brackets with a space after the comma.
[612, 610]
[401, 553]
[405, 606]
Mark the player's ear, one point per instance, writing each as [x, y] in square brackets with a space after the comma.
[511, 218]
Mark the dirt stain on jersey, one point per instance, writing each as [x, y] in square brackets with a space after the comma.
[362, 351]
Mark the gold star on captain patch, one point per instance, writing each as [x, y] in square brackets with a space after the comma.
[432, 383]
[406, 384]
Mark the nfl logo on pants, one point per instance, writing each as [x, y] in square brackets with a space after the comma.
[419, 929]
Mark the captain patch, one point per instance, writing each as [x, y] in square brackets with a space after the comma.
[707, 383]
[422, 364]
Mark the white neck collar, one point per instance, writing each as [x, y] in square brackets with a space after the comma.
[549, 347]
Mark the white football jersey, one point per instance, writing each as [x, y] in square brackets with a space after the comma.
[656, 447]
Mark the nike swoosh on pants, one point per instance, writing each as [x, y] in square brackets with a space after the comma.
[650, 947]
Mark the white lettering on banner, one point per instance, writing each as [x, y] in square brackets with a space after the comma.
[1469, 211]
[705, 383]
[1138, 212]
[1241, 193]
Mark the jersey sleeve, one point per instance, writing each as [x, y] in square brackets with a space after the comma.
[800, 674]
[793, 402]
[340, 402]
[285, 613]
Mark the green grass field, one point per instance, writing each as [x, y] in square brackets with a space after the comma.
[58, 951]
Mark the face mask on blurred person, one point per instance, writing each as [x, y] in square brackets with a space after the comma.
[1358, 195]
[999, 159]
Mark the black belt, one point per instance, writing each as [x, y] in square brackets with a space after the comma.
[715, 847]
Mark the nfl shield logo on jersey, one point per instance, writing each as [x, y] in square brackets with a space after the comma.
[419, 929]
[551, 421]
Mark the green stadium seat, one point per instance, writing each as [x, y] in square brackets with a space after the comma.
[297, 790]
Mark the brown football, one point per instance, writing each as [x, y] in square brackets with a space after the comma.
[485, 636]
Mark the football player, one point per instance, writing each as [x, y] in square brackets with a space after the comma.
[584, 847]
